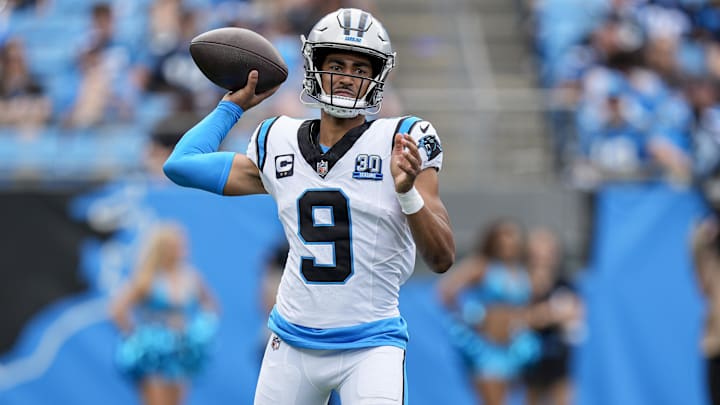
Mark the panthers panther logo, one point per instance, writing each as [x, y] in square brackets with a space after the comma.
[431, 144]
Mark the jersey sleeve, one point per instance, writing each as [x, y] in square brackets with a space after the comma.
[252, 152]
[257, 152]
[257, 148]
[428, 143]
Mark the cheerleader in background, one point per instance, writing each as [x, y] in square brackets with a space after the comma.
[168, 318]
[487, 297]
[555, 314]
[706, 260]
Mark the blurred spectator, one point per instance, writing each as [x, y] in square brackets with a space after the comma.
[118, 51]
[612, 140]
[301, 15]
[564, 97]
[100, 98]
[102, 33]
[168, 63]
[276, 27]
[23, 101]
[706, 254]
[487, 295]
[94, 93]
[555, 312]
[164, 26]
[168, 318]
[666, 23]
[615, 42]
[670, 139]
[661, 57]
[108, 90]
[22, 5]
[702, 96]
[163, 138]
[630, 129]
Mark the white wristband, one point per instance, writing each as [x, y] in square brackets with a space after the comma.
[410, 202]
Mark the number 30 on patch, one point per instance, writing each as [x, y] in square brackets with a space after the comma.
[368, 167]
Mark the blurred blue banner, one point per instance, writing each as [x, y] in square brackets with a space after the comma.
[644, 312]
[65, 354]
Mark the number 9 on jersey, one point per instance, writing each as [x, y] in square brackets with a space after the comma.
[324, 219]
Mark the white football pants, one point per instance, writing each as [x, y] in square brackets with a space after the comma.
[295, 376]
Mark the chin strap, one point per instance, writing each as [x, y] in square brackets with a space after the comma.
[339, 112]
[336, 111]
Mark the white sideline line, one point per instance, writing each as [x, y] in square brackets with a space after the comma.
[55, 335]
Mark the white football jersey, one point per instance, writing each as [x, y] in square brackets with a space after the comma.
[350, 244]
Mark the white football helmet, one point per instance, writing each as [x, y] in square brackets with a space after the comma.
[347, 29]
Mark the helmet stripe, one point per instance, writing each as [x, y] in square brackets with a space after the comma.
[361, 25]
[346, 21]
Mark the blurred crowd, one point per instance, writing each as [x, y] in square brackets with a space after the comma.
[633, 87]
[634, 97]
[75, 71]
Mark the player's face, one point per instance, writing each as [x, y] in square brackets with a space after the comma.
[351, 71]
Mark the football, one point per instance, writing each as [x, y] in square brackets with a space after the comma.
[227, 55]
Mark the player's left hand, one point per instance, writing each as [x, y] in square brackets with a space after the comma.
[404, 162]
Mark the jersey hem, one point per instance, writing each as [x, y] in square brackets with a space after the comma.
[384, 332]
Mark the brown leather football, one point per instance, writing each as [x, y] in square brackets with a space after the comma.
[227, 55]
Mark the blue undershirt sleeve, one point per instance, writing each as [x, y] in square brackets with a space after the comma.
[195, 162]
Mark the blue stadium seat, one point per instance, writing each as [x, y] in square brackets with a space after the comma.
[69, 7]
[47, 61]
[122, 146]
[83, 151]
[50, 29]
[20, 155]
[9, 148]
[62, 89]
[152, 108]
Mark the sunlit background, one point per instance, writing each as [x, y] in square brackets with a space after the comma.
[596, 120]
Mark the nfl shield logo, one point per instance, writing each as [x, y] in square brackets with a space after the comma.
[322, 168]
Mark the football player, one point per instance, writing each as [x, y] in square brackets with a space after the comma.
[355, 198]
